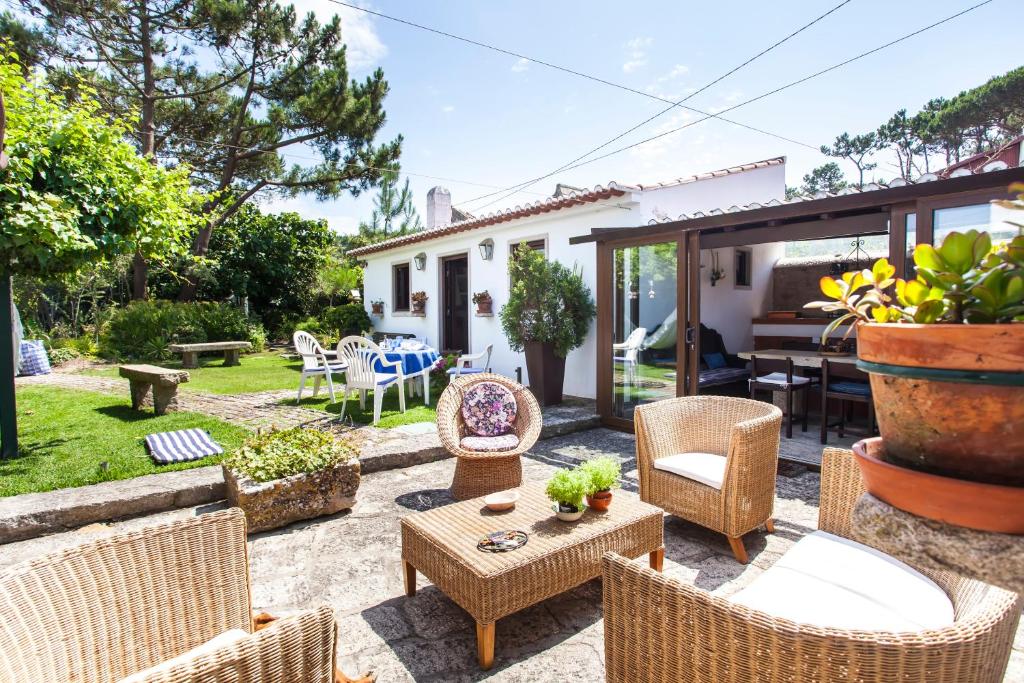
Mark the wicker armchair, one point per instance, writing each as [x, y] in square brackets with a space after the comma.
[112, 607]
[660, 629]
[479, 473]
[745, 432]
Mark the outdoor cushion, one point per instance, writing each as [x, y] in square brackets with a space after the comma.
[505, 442]
[489, 409]
[707, 468]
[714, 361]
[227, 638]
[384, 379]
[858, 388]
[780, 378]
[833, 582]
[712, 378]
[182, 445]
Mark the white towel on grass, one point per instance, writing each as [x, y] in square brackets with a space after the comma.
[181, 446]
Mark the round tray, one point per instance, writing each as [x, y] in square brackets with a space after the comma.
[971, 504]
[502, 541]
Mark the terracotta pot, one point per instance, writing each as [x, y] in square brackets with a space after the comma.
[564, 512]
[600, 500]
[985, 507]
[484, 306]
[546, 371]
[949, 398]
[418, 306]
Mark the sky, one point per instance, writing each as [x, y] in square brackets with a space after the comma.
[484, 121]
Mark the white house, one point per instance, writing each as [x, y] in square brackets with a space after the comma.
[451, 261]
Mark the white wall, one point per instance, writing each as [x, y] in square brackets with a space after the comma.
[757, 185]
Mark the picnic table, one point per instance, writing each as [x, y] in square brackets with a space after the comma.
[190, 352]
[163, 381]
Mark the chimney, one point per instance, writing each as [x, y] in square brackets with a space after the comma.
[439, 207]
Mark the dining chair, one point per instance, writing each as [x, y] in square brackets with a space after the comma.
[463, 367]
[786, 382]
[844, 390]
[315, 364]
[364, 361]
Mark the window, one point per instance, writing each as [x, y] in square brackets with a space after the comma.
[744, 267]
[536, 245]
[400, 287]
[992, 218]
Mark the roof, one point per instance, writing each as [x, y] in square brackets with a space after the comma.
[566, 196]
[1008, 154]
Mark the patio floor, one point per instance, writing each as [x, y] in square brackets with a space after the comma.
[352, 563]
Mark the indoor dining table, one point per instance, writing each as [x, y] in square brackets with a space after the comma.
[801, 359]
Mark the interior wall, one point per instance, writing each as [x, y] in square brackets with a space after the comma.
[729, 310]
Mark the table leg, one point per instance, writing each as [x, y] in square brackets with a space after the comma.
[485, 645]
[410, 579]
[231, 357]
[658, 559]
[190, 359]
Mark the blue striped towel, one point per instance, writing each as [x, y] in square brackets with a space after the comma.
[181, 446]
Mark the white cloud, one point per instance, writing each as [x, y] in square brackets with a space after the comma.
[677, 71]
[448, 108]
[637, 53]
[358, 31]
[521, 65]
[633, 64]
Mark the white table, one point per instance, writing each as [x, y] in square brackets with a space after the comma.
[801, 359]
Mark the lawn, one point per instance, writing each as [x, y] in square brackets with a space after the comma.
[390, 416]
[64, 436]
[266, 371]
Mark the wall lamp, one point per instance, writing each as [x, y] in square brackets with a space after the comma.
[487, 249]
[420, 260]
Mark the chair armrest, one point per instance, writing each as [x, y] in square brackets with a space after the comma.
[841, 486]
[298, 649]
[397, 364]
[750, 469]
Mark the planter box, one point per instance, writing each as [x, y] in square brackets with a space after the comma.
[274, 504]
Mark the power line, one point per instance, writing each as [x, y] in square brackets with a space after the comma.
[672, 106]
[565, 69]
[758, 97]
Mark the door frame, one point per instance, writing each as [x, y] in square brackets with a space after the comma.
[441, 259]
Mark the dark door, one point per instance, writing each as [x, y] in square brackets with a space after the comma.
[455, 304]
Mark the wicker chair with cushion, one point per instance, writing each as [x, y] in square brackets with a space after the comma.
[661, 629]
[486, 462]
[710, 460]
[117, 607]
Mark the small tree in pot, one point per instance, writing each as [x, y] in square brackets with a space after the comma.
[548, 314]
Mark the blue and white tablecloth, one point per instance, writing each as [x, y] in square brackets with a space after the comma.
[413, 362]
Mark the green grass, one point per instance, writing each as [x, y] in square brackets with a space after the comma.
[64, 435]
[258, 372]
[390, 417]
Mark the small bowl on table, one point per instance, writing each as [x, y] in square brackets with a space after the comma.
[502, 500]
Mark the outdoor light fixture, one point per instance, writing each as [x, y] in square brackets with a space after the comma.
[651, 294]
[420, 260]
[487, 249]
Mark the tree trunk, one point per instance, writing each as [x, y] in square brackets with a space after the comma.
[147, 127]
[8, 407]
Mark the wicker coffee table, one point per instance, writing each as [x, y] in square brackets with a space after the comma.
[441, 543]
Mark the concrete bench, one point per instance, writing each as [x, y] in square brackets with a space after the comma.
[190, 352]
[164, 382]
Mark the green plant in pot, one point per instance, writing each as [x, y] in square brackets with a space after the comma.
[548, 314]
[483, 302]
[568, 488]
[377, 307]
[603, 475]
[419, 301]
[945, 353]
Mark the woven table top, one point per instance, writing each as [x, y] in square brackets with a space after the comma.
[455, 529]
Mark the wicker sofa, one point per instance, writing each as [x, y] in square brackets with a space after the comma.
[114, 607]
[710, 460]
[660, 629]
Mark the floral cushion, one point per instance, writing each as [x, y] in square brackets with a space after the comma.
[505, 442]
[489, 409]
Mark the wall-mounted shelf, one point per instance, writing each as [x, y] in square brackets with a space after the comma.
[484, 315]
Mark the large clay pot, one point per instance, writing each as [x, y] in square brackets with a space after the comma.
[546, 371]
[485, 307]
[949, 398]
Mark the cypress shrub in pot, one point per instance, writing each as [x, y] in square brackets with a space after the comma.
[548, 314]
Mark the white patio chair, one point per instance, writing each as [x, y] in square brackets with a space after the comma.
[360, 356]
[628, 353]
[462, 364]
[315, 364]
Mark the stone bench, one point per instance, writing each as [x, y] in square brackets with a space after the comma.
[164, 382]
[190, 352]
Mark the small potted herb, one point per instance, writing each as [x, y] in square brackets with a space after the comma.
[483, 302]
[282, 476]
[568, 488]
[377, 307]
[419, 302]
[602, 475]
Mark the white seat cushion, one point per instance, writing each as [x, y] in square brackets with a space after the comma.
[707, 468]
[212, 645]
[833, 582]
[780, 378]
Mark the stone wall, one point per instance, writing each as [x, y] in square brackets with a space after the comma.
[795, 282]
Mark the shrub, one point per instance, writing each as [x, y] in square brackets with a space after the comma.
[602, 473]
[346, 319]
[143, 329]
[568, 487]
[62, 355]
[278, 454]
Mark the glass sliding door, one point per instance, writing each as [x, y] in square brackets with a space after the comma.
[646, 323]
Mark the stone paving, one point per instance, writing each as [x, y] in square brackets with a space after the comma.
[352, 563]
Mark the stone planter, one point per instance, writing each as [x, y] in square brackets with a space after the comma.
[273, 504]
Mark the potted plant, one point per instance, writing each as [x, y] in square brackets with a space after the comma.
[377, 307]
[282, 476]
[483, 302]
[602, 475]
[548, 313]
[419, 302]
[945, 354]
[567, 488]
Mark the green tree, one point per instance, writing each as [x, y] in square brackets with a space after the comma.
[30, 44]
[855, 149]
[274, 82]
[394, 213]
[825, 178]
